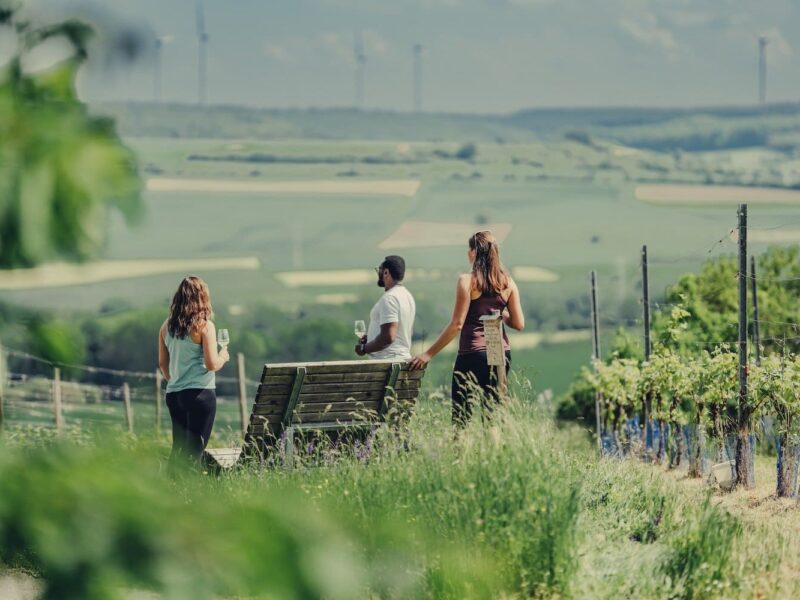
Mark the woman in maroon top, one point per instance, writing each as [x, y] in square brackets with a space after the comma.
[488, 287]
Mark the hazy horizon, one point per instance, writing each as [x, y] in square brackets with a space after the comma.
[480, 56]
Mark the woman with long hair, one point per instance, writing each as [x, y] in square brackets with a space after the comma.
[188, 358]
[487, 288]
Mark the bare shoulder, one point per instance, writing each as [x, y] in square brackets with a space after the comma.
[464, 280]
[162, 331]
[511, 289]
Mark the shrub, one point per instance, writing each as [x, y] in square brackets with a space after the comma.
[467, 151]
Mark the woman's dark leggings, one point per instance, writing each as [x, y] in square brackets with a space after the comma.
[473, 381]
[192, 412]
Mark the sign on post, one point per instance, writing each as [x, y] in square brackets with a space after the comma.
[59, 416]
[158, 400]
[495, 355]
[126, 398]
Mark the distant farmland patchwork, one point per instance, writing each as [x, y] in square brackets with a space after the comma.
[315, 229]
[308, 229]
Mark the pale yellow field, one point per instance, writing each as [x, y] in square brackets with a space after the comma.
[776, 236]
[336, 299]
[424, 234]
[296, 279]
[65, 274]
[522, 340]
[529, 274]
[624, 151]
[715, 194]
[389, 187]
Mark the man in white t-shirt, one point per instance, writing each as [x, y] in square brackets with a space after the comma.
[391, 321]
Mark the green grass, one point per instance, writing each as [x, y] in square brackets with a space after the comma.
[513, 508]
[109, 416]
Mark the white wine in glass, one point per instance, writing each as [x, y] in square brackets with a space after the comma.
[360, 329]
[223, 338]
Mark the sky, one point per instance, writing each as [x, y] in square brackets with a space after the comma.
[480, 56]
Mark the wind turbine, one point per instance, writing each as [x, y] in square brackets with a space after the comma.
[417, 90]
[361, 65]
[158, 79]
[762, 70]
[202, 43]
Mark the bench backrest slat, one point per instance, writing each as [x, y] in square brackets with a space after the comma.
[328, 393]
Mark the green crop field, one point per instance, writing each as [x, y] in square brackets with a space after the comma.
[574, 213]
[567, 204]
[568, 207]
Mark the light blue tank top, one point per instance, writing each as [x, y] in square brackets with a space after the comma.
[186, 368]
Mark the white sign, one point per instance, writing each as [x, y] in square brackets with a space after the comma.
[493, 332]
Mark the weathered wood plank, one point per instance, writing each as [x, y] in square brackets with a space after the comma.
[313, 426]
[273, 418]
[294, 395]
[344, 366]
[334, 388]
[334, 426]
[344, 377]
[336, 417]
[366, 396]
[317, 407]
[224, 457]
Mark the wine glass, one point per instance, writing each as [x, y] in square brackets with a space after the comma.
[360, 329]
[223, 338]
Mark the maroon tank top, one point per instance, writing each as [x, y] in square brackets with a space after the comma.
[472, 337]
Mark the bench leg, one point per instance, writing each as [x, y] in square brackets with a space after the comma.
[289, 448]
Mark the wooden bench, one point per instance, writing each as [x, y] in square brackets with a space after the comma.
[322, 396]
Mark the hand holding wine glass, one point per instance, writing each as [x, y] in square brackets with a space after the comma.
[360, 329]
[223, 339]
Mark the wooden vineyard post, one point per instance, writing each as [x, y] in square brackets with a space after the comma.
[645, 304]
[59, 417]
[243, 413]
[596, 357]
[158, 400]
[2, 385]
[744, 472]
[126, 398]
[495, 355]
[647, 400]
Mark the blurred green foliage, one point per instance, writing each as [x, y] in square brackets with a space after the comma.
[510, 508]
[60, 168]
[708, 303]
[711, 299]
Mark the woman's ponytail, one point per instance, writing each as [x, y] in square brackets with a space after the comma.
[488, 274]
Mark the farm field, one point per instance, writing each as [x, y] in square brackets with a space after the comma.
[561, 207]
[560, 204]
